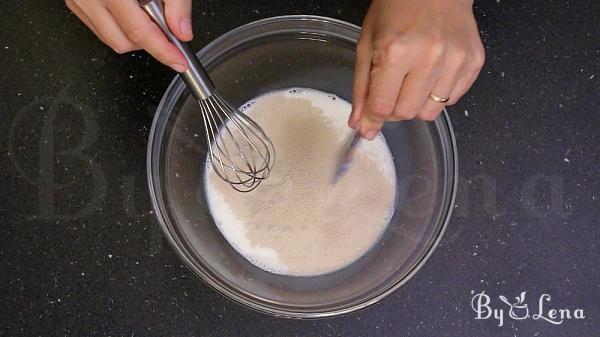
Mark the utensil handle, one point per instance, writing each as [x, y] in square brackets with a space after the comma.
[196, 76]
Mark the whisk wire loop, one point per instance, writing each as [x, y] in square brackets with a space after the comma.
[240, 152]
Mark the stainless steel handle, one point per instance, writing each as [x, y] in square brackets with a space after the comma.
[196, 76]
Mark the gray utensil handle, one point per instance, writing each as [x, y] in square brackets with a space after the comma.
[196, 76]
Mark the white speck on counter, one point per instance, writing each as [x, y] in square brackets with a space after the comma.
[467, 113]
[110, 256]
[502, 74]
[566, 160]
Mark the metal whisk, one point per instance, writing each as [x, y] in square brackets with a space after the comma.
[239, 150]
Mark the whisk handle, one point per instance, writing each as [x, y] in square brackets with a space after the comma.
[196, 76]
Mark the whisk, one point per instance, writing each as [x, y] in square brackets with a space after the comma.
[240, 152]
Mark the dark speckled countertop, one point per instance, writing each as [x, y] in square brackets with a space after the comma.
[82, 255]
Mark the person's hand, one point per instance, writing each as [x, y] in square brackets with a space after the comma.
[124, 26]
[407, 50]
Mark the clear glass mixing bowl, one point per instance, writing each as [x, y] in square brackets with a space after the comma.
[276, 53]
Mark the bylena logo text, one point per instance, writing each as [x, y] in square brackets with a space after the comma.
[519, 310]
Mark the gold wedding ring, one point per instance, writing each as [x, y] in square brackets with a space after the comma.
[438, 98]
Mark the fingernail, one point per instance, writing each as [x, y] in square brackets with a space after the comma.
[353, 120]
[371, 134]
[185, 27]
[178, 67]
[351, 123]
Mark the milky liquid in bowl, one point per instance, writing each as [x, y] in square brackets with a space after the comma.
[297, 222]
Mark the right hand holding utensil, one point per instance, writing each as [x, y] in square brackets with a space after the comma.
[413, 58]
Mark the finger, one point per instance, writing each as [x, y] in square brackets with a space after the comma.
[109, 30]
[361, 81]
[419, 83]
[442, 88]
[454, 67]
[140, 29]
[386, 79]
[461, 87]
[463, 84]
[84, 18]
[179, 18]
[414, 93]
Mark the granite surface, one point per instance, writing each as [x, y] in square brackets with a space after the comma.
[82, 255]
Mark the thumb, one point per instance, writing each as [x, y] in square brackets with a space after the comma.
[355, 116]
[179, 18]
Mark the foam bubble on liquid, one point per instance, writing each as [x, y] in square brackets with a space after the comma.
[247, 106]
[389, 213]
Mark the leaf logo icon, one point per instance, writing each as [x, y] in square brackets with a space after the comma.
[518, 310]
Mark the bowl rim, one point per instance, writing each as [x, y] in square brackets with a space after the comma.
[176, 87]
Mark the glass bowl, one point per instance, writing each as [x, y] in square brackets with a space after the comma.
[277, 53]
